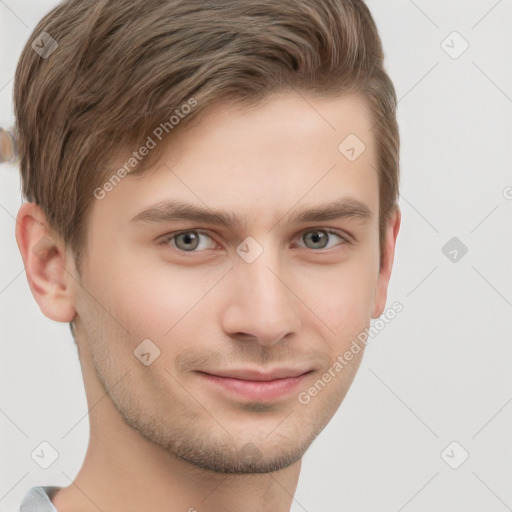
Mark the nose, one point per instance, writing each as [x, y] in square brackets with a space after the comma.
[261, 305]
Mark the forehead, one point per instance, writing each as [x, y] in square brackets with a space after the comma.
[261, 160]
[279, 121]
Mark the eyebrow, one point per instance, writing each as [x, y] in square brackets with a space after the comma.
[175, 210]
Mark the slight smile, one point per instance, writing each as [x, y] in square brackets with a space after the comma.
[256, 386]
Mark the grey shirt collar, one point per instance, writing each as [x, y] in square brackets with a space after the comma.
[38, 499]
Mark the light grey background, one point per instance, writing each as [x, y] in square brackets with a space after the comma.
[439, 372]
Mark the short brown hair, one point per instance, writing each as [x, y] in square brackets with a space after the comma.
[119, 68]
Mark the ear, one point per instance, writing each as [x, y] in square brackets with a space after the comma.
[388, 255]
[46, 266]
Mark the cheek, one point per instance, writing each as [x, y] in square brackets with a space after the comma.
[151, 300]
[343, 297]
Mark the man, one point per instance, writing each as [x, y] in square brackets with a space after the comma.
[211, 203]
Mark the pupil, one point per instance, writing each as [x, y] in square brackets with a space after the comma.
[317, 236]
[189, 237]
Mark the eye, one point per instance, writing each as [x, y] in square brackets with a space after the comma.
[319, 238]
[193, 241]
[188, 241]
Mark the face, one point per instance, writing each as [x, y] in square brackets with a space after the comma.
[224, 320]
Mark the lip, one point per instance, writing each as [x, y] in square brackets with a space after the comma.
[256, 385]
[259, 375]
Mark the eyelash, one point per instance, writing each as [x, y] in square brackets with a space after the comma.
[170, 236]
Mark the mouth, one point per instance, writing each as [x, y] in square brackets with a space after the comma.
[256, 385]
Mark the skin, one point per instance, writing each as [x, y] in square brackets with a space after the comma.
[162, 436]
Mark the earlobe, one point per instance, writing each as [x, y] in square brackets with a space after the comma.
[381, 291]
[44, 258]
